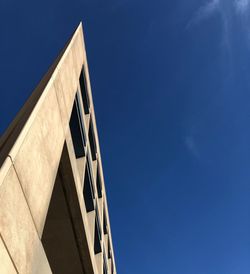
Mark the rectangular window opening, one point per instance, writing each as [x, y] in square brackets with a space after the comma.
[80, 116]
[98, 182]
[112, 266]
[84, 91]
[104, 222]
[77, 129]
[92, 141]
[88, 191]
[109, 249]
[98, 235]
[98, 221]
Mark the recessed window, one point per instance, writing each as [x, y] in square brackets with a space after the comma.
[84, 91]
[109, 249]
[80, 115]
[98, 182]
[104, 222]
[92, 141]
[98, 219]
[77, 129]
[112, 266]
[98, 235]
[88, 190]
[91, 172]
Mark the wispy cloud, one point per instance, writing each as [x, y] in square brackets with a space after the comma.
[228, 11]
[204, 12]
[221, 9]
[241, 6]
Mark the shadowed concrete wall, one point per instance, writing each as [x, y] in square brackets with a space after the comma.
[58, 238]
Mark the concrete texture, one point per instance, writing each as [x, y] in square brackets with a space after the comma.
[35, 151]
[43, 147]
[6, 263]
[18, 230]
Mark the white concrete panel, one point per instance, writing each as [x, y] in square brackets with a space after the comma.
[6, 266]
[68, 80]
[65, 114]
[38, 158]
[79, 56]
[18, 230]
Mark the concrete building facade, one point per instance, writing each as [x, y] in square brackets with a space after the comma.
[53, 206]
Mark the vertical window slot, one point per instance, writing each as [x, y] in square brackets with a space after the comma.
[84, 91]
[98, 182]
[77, 129]
[88, 191]
[104, 222]
[92, 141]
[98, 235]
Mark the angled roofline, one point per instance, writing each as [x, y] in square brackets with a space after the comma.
[9, 137]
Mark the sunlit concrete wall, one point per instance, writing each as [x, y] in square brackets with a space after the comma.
[28, 172]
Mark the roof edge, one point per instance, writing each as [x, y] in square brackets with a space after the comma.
[7, 140]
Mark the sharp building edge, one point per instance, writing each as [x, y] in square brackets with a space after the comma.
[53, 206]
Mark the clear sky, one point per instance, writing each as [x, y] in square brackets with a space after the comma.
[171, 88]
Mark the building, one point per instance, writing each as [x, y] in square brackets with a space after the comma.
[53, 206]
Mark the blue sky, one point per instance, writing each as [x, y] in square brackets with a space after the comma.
[171, 88]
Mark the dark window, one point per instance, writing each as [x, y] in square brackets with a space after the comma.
[98, 237]
[112, 266]
[84, 91]
[91, 173]
[104, 222]
[109, 249]
[77, 129]
[92, 141]
[98, 182]
[98, 220]
[80, 115]
[88, 191]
